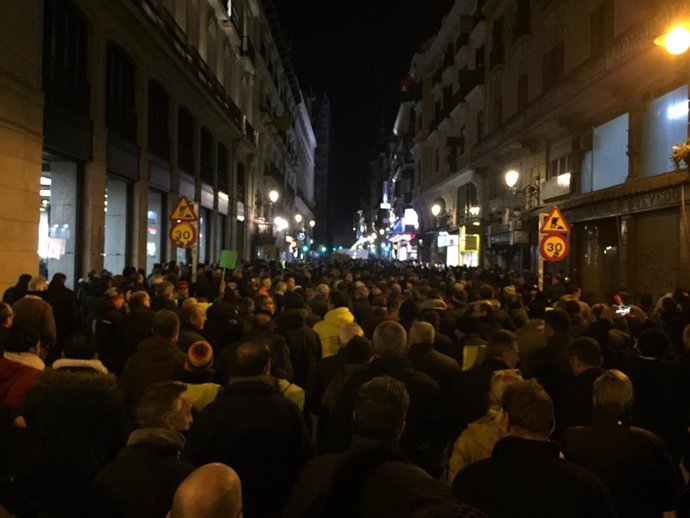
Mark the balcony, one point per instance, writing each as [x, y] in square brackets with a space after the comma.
[249, 131]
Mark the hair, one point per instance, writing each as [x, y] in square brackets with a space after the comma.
[262, 299]
[164, 289]
[252, 358]
[422, 333]
[5, 312]
[38, 283]
[613, 389]
[339, 299]
[409, 311]
[58, 279]
[390, 340]
[361, 292]
[500, 342]
[20, 340]
[358, 350]
[157, 402]
[262, 324]
[430, 316]
[529, 407]
[558, 320]
[136, 299]
[113, 293]
[188, 313]
[467, 324]
[166, 323]
[500, 381]
[654, 343]
[381, 407]
[486, 291]
[246, 305]
[80, 346]
[348, 331]
[587, 351]
[322, 290]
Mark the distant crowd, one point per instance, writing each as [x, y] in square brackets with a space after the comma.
[361, 389]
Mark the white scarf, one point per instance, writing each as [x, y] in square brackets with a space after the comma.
[66, 363]
[27, 359]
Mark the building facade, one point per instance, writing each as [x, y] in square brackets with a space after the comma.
[575, 98]
[115, 109]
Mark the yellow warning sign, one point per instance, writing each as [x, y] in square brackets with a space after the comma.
[555, 222]
[183, 211]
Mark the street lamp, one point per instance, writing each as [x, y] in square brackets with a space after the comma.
[530, 190]
[676, 40]
[511, 178]
[436, 209]
[298, 218]
[312, 223]
[273, 195]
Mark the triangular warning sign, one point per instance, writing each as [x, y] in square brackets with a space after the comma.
[555, 222]
[183, 211]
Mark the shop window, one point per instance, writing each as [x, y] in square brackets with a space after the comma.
[664, 123]
[155, 230]
[116, 225]
[606, 164]
[57, 228]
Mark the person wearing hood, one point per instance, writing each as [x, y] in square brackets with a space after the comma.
[157, 359]
[20, 366]
[328, 328]
[478, 440]
[141, 481]
[77, 422]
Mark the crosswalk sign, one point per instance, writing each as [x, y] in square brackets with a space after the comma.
[183, 211]
[555, 223]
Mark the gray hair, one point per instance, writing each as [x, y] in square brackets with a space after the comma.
[613, 388]
[323, 290]
[381, 407]
[422, 333]
[390, 340]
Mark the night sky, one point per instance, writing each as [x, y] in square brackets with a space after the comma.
[356, 52]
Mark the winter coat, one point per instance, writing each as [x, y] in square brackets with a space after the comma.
[261, 434]
[141, 481]
[475, 443]
[136, 328]
[18, 373]
[328, 329]
[188, 335]
[78, 422]
[157, 359]
[439, 367]
[303, 343]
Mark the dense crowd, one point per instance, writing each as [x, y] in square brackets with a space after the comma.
[361, 389]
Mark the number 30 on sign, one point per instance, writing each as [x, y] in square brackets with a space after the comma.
[554, 247]
[183, 234]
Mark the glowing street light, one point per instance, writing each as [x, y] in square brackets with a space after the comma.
[273, 195]
[436, 209]
[312, 223]
[298, 218]
[511, 178]
[676, 40]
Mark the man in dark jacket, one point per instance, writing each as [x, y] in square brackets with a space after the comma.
[65, 310]
[77, 419]
[303, 343]
[137, 325]
[109, 326]
[192, 322]
[16, 292]
[424, 358]
[468, 394]
[372, 479]
[632, 462]
[424, 438]
[525, 477]
[157, 358]
[141, 482]
[256, 430]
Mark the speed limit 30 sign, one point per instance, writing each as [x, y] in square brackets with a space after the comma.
[554, 247]
[183, 234]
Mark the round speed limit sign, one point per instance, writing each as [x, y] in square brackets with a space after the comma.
[554, 247]
[183, 234]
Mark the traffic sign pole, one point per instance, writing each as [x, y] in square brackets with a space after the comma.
[540, 259]
[195, 247]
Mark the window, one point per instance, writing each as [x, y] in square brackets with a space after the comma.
[116, 224]
[185, 140]
[159, 114]
[222, 168]
[120, 93]
[522, 92]
[207, 155]
[554, 66]
[607, 164]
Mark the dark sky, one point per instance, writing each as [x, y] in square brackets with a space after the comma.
[356, 52]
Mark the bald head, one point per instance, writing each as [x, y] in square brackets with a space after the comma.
[422, 333]
[212, 491]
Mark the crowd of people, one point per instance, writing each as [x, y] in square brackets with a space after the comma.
[362, 389]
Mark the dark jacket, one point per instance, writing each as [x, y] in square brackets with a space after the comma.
[65, 310]
[319, 306]
[188, 335]
[632, 462]
[424, 438]
[137, 327]
[303, 343]
[157, 359]
[575, 407]
[362, 309]
[527, 479]
[372, 479]
[551, 366]
[439, 367]
[260, 433]
[325, 371]
[223, 325]
[78, 422]
[141, 481]
[109, 331]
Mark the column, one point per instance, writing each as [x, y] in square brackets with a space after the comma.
[140, 193]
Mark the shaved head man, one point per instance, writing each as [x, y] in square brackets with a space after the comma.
[212, 491]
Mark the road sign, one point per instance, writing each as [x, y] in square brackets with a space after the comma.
[555, 222]
[183, 211]
[183, 234]
[554, 247]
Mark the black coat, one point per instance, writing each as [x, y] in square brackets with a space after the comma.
[78, 423]
[65, 310]
[260, 433]
[137, 327]
[304, 345]
[439, 367]
[575, 406]
[324, 373]
[527, 479]
[142, 481]
[551, 366]
[223, 325]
